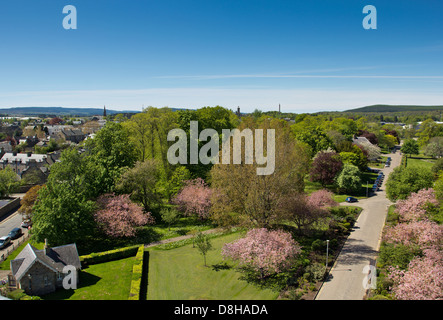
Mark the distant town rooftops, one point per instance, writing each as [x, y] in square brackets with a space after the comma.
[12, 157]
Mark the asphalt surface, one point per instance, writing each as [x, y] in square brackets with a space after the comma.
[10, 221]
[350, 271]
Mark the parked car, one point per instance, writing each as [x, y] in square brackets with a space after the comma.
[15, 233]
[4, 241]
[351, 199]
[26, 223]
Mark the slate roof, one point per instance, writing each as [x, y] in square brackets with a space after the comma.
[54, 258]
[72, 132]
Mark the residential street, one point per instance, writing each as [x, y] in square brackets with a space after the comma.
[346, 277]
[11, 220]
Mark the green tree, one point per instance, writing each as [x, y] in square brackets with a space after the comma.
[356, 158]
[386, 140]
[435, 147]
[410, 147]
[61, 216]
[241, 197]
[63, 210]
[148, 131]
[169, 216]
[9, 182]
[347, 127]
[217, 118]
[173, 185]
[112, 152]
[203, 244]
[403, 181]
[316, 138]
[141, 182]
[428, 129]
[349, 178]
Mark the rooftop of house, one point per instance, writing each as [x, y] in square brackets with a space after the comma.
[55, 259]
[361, 140]
[72, 132]
[12, 157]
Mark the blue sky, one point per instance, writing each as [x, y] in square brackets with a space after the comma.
[307, 56]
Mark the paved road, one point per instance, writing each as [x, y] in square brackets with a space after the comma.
[360, 250]
[11, 220]
[8, 222]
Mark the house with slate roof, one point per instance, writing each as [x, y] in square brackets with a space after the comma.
[39, 272]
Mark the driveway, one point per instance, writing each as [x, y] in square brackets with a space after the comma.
[347, 275]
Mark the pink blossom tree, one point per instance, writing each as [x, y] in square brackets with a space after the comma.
[415, 207]
[262, 251]
[194, 198]
[322, 199]
[423, 280]
[118, 215]
[424, 234]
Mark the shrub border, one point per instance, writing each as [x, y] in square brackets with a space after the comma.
[137, 273]
[110, 255]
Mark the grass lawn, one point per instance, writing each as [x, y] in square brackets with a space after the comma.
[366, 177]
[421, 161]
[145, 234]
[380, 164]
[180, 274]
[104, 281]
[5, 265]
[183, 226]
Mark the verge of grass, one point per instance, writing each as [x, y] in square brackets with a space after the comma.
[180, 274]
[5, 265]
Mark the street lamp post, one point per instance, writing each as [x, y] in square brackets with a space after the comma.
[367, 185]
[327, 251]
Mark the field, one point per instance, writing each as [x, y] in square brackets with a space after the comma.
[421, 161]
[180, 274]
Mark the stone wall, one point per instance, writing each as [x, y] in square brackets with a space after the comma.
[12, 205]
[43, 280]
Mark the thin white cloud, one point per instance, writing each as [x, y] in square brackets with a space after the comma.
[299, 76]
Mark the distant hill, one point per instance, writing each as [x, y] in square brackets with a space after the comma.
[395, 108]
[57, 111]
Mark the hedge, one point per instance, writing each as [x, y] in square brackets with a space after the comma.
[137, 271]
[99, 257]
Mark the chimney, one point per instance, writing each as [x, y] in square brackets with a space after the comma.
[46, 246]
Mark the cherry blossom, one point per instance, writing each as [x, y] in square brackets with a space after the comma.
[265, 252]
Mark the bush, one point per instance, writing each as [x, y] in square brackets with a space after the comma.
[380, 297]
[19, 294]
[137, 272]
[315, 271]
[396, 255]
[99, 257]
[318, 245]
